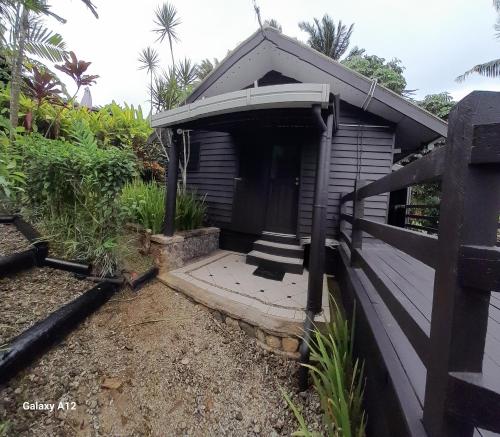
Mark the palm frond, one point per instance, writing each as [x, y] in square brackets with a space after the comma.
[45, 43]
[187, 72]
[149, 59]
[496, 5]
[167, 21]
[488, 69]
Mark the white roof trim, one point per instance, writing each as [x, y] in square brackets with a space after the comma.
[297, 95]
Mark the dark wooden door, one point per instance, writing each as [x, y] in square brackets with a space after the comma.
[282, 200]
[251, 185]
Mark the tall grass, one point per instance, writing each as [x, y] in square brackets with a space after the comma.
[338, 380]
[144, 203]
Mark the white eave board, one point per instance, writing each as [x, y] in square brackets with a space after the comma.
[296, 95]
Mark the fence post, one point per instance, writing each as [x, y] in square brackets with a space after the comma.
[470, 203]
[358, 213]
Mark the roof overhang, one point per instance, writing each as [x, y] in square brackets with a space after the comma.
[269, 49]
[297, 95]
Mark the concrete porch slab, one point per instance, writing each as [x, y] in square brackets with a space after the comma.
[224, 282]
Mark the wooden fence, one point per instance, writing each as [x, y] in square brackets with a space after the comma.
[464, 256]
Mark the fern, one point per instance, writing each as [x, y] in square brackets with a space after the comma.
[82, 135]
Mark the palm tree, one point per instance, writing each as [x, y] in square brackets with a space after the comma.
[187, 73]
[167, 21]
[326, 37]
[149, 61]
[27, 34]
[274, 23]
[491, 68]
[205, 68]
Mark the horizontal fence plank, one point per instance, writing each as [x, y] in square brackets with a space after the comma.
[347, 217]
[411, 322]
[426, 169]
[417, 245]
[479, 267]
[470, 400]
[346, 238]
[486, 144]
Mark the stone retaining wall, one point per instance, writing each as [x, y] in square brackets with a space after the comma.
[173, 252]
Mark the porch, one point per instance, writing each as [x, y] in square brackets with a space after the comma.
[225, 283]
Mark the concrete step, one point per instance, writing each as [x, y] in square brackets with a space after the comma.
[266, 260]
[279, 238]
[280, 249]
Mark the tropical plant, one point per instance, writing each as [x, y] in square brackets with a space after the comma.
[187, 73]
[144, 203]
[338, 380]
[42, 85]
[273, 23]
[387, 73]
[190, 211]
[205, 67]
[167, 21]
[149, 60]
[490, 68]
[71, 193]
[438, 104]
[12, 179]
[327, 37]
[75, 69]
[21, 21]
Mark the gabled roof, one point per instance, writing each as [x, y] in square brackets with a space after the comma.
[268, 49]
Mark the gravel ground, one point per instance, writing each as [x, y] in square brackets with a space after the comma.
[156, 364]
[11, 240]
[31, 295]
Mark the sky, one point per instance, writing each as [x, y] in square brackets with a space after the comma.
[436, 40]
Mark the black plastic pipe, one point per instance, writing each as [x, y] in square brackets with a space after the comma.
[17, 261]
[68, 266]
[304, 351]
[318, 229]
[138, 282]
[173, 167]
[25, 347]
[7, 218]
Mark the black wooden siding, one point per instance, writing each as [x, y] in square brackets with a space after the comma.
[214, 178]
[363, 151]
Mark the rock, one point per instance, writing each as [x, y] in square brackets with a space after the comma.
[111, 384]
[185, 361]
[274, 342]
[256, 429]
[290, 344]
[247, 328]
[232, 323]
[260, 335]
[17, 391]
[238, 415]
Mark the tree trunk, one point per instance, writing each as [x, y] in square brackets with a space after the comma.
[17, 66]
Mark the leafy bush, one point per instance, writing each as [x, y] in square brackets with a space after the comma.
[144, 203]
[11, 177]
[72, 193]
[338, 380]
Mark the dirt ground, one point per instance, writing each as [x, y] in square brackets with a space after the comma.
[155, 364]
[12, 240]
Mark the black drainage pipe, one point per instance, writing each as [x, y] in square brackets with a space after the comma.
[68, 266]
[32, 342]
[304, 351]
[34, 237]
[17, 261]
[6, 218]
[138, 282]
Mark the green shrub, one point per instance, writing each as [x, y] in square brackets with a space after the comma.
[144, 203]
[338, 380]
[72, 193]
[12, 179]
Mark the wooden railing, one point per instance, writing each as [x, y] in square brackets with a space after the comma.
[465, 259]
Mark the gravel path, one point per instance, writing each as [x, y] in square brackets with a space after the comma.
[31, 295]
[11, 240]
[156, 364]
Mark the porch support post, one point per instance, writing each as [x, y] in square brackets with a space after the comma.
[170, 201]
[318, 230]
